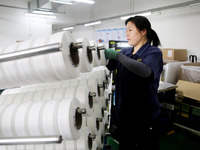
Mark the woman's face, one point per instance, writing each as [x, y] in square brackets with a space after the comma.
[134, 35]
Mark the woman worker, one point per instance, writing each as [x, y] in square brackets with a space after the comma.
[137, 81]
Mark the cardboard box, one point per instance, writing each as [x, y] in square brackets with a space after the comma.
[175, 54]
[188, 89]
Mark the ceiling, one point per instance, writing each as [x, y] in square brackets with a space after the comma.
[80, 13]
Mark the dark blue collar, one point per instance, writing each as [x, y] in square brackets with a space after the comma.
[143, 49]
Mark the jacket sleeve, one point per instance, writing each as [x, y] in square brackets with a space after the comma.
[134, 66]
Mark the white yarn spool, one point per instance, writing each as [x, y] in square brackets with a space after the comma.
[39, 64]
[92, 82]
[98, 109]
[103, 127]
[59, 93]
[93, 85]
[7, 99]
[3, 147]
[84, 121]
[97, 58]
[70, 37]
[93, 123]
[85, 54]
[9, 76]
[96, 54]
[20, 126]
[70, 92]
[69, 120]
[28, 96]
[24, 66]
[65, 83]
[48, 94]
[48, 147]
[95, 145]
[86, 101]
[70, 145]
[84, 142]
[31, 147]
[6, 121]
[32, 120]
[18, 98]
[2, 98]
[100, 139]
[74, 82]
[103, 58]
[64, 67]
[11, 147]
[49, 119]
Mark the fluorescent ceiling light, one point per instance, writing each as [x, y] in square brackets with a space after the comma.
[142, 14]
[85, 1]
[62, 2]
[92, 23]
[68, 28]
[40, 15]
[71, 2]
[42, 12]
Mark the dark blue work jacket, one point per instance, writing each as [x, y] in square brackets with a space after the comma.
[136, 97]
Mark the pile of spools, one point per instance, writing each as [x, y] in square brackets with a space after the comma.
[64, 93]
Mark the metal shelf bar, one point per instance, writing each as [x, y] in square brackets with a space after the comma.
[30, 140]
[30, 52]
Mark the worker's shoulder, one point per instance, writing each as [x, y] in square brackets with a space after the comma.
[154, 50]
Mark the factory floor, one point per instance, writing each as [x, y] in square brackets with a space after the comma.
[173, 140]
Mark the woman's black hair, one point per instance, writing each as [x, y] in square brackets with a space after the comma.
[142, 23]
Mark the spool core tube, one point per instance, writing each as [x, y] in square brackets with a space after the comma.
[98, 52]
[90, 97]
[74, 53]
[98, 88]
[97, 123]
[78, 117]
[89, 53]
[90, 140]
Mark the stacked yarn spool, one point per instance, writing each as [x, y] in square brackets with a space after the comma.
[50, 93]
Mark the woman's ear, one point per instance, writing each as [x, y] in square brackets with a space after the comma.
[144, 31]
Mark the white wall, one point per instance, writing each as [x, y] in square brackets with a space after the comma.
[21, 31]
[15, 26]
[177, 28]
